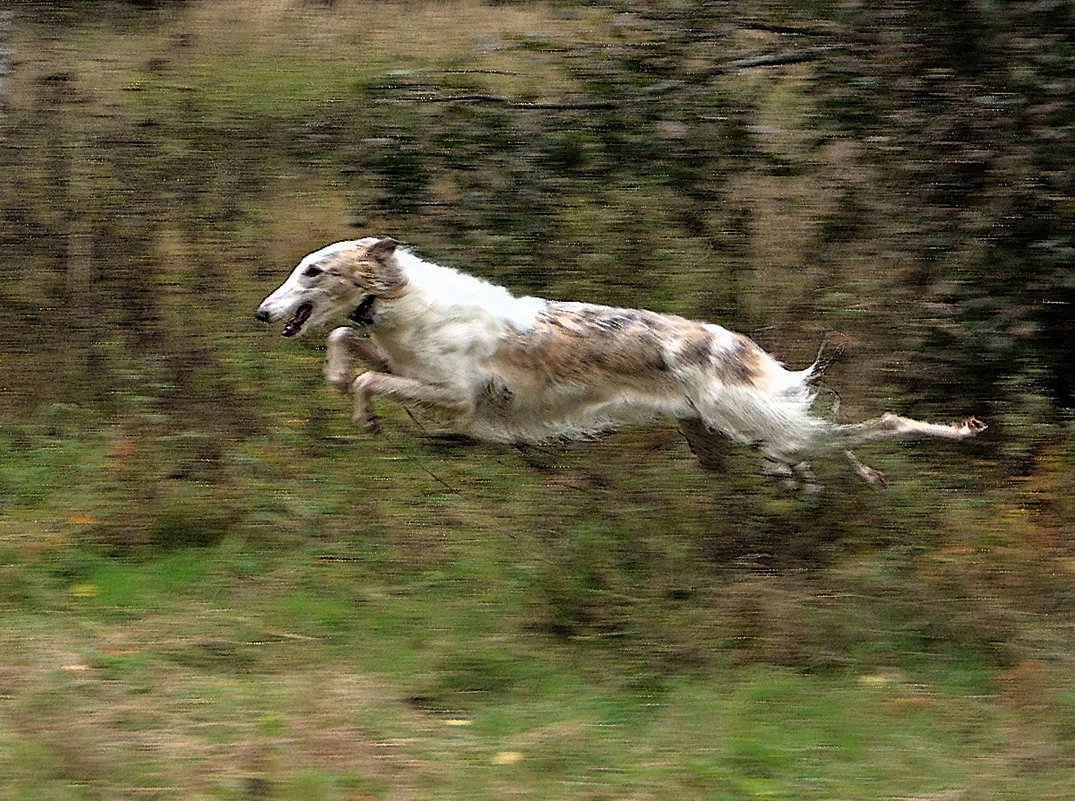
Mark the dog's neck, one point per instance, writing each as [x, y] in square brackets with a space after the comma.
[363, 313]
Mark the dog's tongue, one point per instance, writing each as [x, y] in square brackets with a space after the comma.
[295, 324]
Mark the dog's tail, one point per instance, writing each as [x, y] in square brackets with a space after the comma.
[828, 354]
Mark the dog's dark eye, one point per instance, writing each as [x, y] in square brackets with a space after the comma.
[312, 272]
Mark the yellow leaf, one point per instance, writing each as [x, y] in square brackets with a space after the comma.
[507, 757]
[875, 680]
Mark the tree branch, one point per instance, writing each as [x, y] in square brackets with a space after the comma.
[775, 59]
[751, 62]
[507, 101]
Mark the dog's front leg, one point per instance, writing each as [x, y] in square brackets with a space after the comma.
[344, 347]
[404, 389]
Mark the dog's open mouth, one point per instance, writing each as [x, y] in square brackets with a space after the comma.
[295, 324]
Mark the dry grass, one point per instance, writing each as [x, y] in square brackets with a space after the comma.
[402, 30]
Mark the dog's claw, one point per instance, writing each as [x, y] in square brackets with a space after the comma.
[372, 424]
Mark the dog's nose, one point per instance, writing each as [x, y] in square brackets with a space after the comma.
[262, 315]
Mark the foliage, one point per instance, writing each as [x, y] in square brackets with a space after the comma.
[968, 122]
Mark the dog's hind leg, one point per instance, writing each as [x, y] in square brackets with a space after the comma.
[892, 426]
[865, 472]
[344, 347]
[707, 445]
[403, 389]
[790, 470]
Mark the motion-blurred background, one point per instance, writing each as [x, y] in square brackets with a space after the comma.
[213, 587]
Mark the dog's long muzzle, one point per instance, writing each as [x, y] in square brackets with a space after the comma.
[292, 326]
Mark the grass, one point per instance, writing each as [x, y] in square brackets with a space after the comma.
[313, 723]
[432, 659]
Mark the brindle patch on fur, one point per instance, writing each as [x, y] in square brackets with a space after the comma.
[365, 266]
[739, 364]
[697, 347]
[562, 347]
[611, 321]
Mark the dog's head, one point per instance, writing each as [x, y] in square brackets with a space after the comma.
[331, 284]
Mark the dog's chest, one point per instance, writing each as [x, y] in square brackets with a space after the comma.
[446, 350]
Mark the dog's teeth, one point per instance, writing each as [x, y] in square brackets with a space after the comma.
[295, 324]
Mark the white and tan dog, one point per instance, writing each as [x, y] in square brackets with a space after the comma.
[518, 370]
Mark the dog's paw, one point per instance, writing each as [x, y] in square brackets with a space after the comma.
[867, 473]
[972, 426]
[873, 476]
[370, 423]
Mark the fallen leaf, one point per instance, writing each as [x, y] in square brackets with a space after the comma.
[507, 757]
[875, 680]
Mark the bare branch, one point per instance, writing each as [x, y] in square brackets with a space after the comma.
[789, 30]
[775, 59]
[729, 67]
[479, 71]
[507, 101]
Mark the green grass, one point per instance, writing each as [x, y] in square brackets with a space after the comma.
[430, 659]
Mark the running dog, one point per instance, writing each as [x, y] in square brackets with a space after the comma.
[524, 369]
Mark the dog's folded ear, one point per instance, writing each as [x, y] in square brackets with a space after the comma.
[375, 270]
[383, 248]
